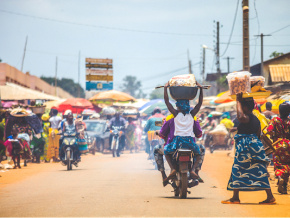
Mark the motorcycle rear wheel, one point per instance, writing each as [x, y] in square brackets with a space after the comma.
[183, 186]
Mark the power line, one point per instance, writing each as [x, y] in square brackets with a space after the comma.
[101, 27]
[232, 28]
[163, 74]
[265, 45]
[279, 29]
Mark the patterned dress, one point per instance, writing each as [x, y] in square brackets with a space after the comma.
[249, 171]
[280, 130]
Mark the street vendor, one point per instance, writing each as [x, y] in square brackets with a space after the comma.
[249, 171]
[183, 133]
[167, 133]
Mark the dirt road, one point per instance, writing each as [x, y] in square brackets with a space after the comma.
[125, 186]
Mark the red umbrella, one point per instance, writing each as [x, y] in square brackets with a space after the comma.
[76, 105]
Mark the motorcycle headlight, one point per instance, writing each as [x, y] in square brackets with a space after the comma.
[66, 142]
[72, 142]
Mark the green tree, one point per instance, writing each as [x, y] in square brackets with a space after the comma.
[223, 83]
[66, 84]
[157, 93]
[276, 54]
[133, 87]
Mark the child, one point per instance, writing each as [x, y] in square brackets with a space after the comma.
[183, 134]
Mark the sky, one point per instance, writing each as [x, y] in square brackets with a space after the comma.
[148, 39]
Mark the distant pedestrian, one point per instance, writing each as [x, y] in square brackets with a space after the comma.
[279, 129]
[268, 112]
[53, 146]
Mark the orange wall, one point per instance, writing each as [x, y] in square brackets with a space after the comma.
[13, 75]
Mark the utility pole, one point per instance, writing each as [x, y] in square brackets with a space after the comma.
[246, 46]
[79, 72]
[55, 78]
[189, 63]
[228, 62]
[203, 63]
[262, 52]
[218, 48]
[24, 54]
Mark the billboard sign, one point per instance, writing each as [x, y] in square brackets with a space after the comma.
[99, 74]
[99, 86]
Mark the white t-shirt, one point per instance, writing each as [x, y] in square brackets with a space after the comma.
[183, 125]
[54, 122]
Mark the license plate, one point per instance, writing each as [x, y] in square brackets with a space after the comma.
[184, 158]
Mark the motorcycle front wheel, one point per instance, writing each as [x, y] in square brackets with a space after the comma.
[113, 147]
[68, 154]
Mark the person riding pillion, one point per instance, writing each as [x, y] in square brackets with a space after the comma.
[183, 133]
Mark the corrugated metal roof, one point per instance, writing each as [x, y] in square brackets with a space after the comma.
[280, 72]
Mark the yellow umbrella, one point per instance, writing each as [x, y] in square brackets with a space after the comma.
[112, 95]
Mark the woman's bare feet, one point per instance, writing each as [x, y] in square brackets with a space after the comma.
[268, 201]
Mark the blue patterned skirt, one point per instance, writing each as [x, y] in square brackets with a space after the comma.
[185, 142]
[249, 171]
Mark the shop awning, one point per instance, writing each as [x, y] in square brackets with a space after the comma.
[15, 92]
[280, 72]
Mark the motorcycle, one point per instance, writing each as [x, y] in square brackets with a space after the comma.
[115, 146]
[183, 159]
[69, 150]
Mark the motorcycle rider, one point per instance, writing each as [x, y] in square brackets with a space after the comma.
[69, 128]
[118, 121]
[150, 125]
[167, 133]
[183, 133]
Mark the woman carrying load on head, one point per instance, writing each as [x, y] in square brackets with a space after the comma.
[249, 171]
[183, 132]
[279, 129]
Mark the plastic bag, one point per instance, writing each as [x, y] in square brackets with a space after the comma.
[183, 80]
[239, 82]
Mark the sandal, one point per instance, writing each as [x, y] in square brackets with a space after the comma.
[171, 176]
[193, 175]
[200, 180]
[268, 202]
[230, 201]
[165, 183]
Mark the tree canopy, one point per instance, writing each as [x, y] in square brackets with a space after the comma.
[276, 54]
[133, 87]
[66, 84]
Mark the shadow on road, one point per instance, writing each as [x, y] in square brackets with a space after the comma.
[72, 170]
[177, 198]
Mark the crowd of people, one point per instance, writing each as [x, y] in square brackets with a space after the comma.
[38, 138]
